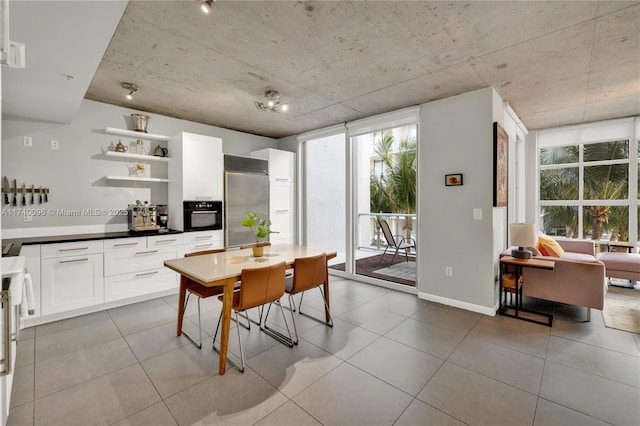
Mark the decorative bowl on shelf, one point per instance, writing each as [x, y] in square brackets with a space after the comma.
[140, 122]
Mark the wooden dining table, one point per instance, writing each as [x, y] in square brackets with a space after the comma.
[225, 269]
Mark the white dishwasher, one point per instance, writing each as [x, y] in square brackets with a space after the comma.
[10, 300]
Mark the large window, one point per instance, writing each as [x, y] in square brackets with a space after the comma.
[584, 190]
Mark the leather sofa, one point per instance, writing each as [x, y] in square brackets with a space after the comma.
[577, 279]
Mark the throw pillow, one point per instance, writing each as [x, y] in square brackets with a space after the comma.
[549, 247]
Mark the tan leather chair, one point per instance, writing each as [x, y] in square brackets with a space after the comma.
[202, 292]
[258, 286]
[308, 273]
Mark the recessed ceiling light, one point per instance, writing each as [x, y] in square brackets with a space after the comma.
[207, 6]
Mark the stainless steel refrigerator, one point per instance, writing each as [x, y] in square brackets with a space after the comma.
[246, 188]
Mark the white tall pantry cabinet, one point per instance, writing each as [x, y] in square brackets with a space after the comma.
[282, 172]
[195, 172]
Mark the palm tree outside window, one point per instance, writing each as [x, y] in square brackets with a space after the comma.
[584, 190]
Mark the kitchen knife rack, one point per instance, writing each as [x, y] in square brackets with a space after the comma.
[17, 190]
[27, 190]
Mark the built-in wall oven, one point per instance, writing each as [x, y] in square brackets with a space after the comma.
[202, 215]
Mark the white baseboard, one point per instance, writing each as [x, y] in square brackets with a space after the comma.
[459, 304]
[26, 322]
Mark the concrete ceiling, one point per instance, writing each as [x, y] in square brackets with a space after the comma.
[556, 63]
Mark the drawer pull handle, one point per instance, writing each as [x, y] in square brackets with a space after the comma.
[281, 179]
[281, 211]
[147, 252]
[165, 241]
[204, 245]
[125, 244]
[74, 260]
[75, 248]
[142, 274]
[204, 237]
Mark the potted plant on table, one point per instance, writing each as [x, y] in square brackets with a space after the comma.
[261, 229]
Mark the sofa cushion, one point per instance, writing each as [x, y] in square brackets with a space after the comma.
[578, 257]
[549, 247]
[621, 261]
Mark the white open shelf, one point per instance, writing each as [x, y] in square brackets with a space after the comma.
[134, 134]
[113, 155]
[136, 179]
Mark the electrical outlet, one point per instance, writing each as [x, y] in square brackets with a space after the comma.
[27, 218]
[53, 144]
[27, 141]
[477, 214]
[448, 271]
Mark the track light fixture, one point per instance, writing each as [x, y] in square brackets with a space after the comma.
[207, 6]
[273, 103]
[132, 88]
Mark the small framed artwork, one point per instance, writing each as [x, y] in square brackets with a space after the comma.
[500, 164]
[453, 180]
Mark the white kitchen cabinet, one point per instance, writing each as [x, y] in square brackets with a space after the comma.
[32, 267]
[282, 171]
[196, 172]
[138, 269]
[71, 249]
[71, 282]
[201, 240]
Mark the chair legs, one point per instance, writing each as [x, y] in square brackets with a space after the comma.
[292, 308]
[275, 334]
[187, 335]
[198, 343]
[385, 252]
[278, 336]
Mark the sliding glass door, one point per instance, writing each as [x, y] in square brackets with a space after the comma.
[324, 195]
[354, 181]
[384, 196]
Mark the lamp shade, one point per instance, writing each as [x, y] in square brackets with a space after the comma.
[523, 234]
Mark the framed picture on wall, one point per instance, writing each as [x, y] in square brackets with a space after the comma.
[500, 165]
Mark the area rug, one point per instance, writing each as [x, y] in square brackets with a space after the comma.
[370, 266]
[404, 270]
[622, 309]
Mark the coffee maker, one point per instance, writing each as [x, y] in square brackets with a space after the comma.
[163, 216]
[142, 217]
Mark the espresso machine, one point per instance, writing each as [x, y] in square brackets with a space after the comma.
[143, 217]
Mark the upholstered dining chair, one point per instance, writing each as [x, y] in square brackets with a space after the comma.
[308, 273]
[258, 286]
[398, 241]
[202, 292]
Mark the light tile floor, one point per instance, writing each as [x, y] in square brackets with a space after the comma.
[390, 359]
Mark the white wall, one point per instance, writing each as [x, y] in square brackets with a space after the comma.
[456, 136]
[75, 172]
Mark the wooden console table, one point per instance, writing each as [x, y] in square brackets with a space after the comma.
[515, 286]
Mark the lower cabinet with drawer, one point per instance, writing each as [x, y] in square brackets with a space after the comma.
[71, 282]
[201, 240]
[139, 270]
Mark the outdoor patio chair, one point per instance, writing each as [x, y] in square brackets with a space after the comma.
[397, 241]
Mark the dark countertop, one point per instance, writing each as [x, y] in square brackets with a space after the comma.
[17, 243]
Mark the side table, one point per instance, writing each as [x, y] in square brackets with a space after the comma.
[623, 246]
[515, 286]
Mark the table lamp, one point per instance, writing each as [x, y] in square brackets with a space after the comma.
[522, 235]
